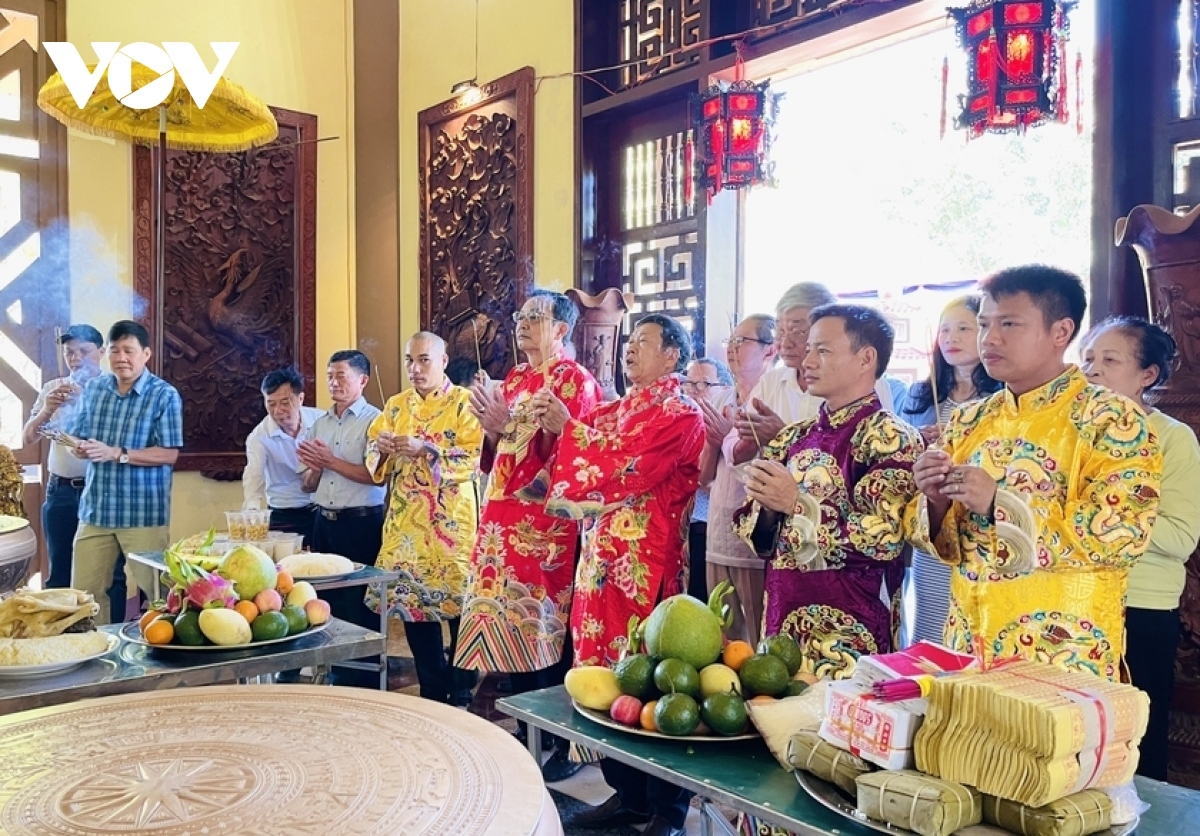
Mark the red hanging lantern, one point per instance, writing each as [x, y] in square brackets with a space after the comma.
[733, 135]
[1014, 54]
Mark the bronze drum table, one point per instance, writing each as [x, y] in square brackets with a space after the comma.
[286, 759]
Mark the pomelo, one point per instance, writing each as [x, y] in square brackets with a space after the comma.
[682, 627]
[251, 569]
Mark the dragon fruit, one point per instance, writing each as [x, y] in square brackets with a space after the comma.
[195, 586]
[210, 592]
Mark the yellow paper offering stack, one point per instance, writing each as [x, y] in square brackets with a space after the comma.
[1031, 733]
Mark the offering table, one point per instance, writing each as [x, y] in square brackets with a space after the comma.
[745, 776]
[132, 667]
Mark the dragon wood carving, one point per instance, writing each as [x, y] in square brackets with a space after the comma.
[238, 296]
[476, 205]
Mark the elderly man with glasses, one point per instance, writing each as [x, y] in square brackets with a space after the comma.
[709, 382]
[523, 560]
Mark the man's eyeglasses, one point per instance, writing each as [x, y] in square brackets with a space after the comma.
[700, 386]
[533, 317]
[738, 342]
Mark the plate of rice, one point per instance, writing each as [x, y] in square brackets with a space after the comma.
[318, 566]
[50, 654]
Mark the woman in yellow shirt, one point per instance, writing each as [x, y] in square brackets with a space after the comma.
[1131, 356]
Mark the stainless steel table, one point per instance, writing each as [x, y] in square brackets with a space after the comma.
[745, 776]
[134, 667]
[367, 576]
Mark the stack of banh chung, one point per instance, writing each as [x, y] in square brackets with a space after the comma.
[1032, 733]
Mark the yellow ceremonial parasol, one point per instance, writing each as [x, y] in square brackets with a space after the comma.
[230, 120]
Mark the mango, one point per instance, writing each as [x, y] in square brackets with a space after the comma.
[225, 627]
[593, 686]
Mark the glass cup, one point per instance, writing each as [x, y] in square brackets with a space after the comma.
[257, 525]
[236, 522]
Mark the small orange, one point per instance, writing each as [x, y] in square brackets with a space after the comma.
[147, 617]
[248, 610]
[761, 699]
[735, 653]
[284, 583]
[160, 631]
[647, 717]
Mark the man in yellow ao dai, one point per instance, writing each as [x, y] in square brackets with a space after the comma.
[1041, 496]
[427, 442]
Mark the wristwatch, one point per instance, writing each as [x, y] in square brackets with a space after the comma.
[124, 459]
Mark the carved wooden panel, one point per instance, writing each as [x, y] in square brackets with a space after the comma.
[476, 216]
[238, 297]
[651, 29]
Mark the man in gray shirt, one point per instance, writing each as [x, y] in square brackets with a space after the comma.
[349, 505]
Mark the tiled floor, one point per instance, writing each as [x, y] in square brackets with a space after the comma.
[587, 785]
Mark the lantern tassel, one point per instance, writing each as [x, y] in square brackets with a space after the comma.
[945, 93]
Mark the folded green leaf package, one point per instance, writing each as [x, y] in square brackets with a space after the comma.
[914, 801]
[807, 751]
[1074, 815]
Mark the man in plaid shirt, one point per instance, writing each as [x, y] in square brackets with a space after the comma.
[130, 426]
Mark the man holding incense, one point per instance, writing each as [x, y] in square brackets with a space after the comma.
[426, 444]
[518, 602]
[1041, 496]
[81, 348]
[827, 497]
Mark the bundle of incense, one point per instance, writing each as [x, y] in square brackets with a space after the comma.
[1030, 732]
[59, 437]
[899, 690]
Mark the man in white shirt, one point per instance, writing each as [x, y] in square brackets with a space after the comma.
[271, 479]
[82, 347]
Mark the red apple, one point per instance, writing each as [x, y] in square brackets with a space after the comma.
[626, 710]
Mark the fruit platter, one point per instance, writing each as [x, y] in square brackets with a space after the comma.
[246, 600]
[680, 679]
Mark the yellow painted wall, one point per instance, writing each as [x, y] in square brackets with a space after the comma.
[436, 50]
[293, 54]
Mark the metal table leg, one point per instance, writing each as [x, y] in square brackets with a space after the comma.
[712, 821]
[383, 629]
[533, 736]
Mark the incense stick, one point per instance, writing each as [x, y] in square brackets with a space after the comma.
[478, 355]
[547, 340]
[933, 388]
[58, 332]
[379, 383]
